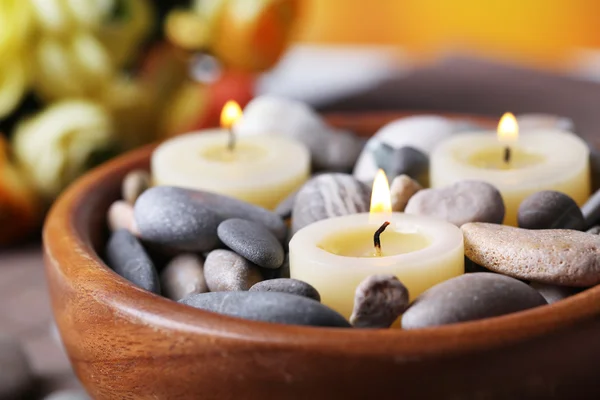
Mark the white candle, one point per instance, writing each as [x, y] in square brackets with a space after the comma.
[260, 169]
[543, 159]
[335, 255]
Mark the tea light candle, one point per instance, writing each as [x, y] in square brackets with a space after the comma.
[261, 169]
[541, 159]
[335, 255]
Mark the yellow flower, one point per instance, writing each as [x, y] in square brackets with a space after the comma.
[54, 147]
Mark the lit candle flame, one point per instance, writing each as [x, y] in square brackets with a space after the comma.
[381, 200]
[508, 129]
[230, 114]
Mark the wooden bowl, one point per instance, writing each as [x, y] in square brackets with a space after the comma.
[126, 343]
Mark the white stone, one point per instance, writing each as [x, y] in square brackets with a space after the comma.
[423, 132]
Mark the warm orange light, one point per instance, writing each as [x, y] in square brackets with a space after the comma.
[508, 129]
[381, 201]
[230, 114]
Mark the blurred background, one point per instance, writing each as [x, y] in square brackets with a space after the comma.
[84, 80]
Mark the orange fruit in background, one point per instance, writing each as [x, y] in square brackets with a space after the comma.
[538, 32]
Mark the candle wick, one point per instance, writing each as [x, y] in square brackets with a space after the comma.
[231, 143]
[377, 239]
[507, 154]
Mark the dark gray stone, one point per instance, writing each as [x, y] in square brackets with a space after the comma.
[470, 297]
[252, 241]
[378, 301]
[228, 207]
[550, 210]
[402, 161]
[182, 276]
[554, 293]
[329, 195]
[591, 210]
[225, 270]
[16, 376]
[462, 202]
[169, 216]
[286, 285]
[275, 307]
[284, 209]
[342, 151]
[126, 256]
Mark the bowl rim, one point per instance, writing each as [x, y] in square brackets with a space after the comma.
[68, 249]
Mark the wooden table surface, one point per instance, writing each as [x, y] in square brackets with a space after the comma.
[25, 313]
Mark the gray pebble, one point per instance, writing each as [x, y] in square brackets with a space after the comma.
[252, 241]
[403, 187]
[402, 161]
[16, 377]
[71, 394]
[275, 307]
[550, 210]
[556, 256]
[120, 216]
[462, 202]
[169, 217]
[594, 230]
[284, 209]
[286, 285]
[470, 297]
[342, 151]
[126, 256]
[554, 293]
[285, 267]
[329, 195]
[378, 301]
[182, 276]
[591, 210]
[228, 207]
[225, 270]
[134, 184]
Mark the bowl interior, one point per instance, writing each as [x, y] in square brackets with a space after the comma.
[75, 232]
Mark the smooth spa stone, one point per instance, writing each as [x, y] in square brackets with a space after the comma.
[470, 297]
[169, 216]
[378, 301]
[403, 161]
[228, 207]
[252, 241]
[225, 270]
[287, 285]
[329, 195]
[120, 216]
[285, 208]
[402, 188]
[422, 132]
[16, 376]
[549, 209]
[594, 230]
[134, 184]
[462, 202]
[554, 293]
[555, 256]
[182, 276]
[330, 148]
[591, 210]
[127, 257]
[283, 308]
